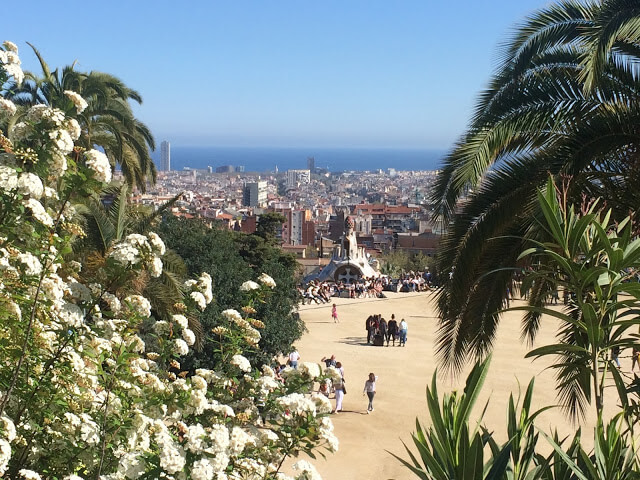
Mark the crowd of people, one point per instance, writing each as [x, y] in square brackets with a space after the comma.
[316, 292]
[414, 282]
[321, 292]
[380, 330]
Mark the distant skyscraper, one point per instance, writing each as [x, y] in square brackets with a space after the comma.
[165, 156]
[311, 164]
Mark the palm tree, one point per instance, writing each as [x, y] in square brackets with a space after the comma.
[565, 102]
[108, 121]
[108, 219]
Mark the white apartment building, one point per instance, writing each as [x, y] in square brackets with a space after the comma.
[296, 177]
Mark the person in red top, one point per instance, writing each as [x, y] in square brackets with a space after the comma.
[334, 314]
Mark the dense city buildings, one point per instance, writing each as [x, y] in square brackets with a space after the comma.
[389, 210]
[165, 156]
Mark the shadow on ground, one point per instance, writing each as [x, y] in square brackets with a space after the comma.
[355, 341]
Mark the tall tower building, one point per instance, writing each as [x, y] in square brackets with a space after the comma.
[165, 156]
[311, 164]
[254, 194]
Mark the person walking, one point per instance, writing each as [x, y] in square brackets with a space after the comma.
[370, 390]
[294, 356]
[339, 388]
[403, 333]
[392, 330]
[334, 314]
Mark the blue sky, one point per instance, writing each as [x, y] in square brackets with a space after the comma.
[338, 73]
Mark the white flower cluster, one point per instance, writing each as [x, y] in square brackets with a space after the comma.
[333, 374]
[10, 61]
[310, 369]
[200, 291]
[250, 334]
[79, 102]
[99, 164]
[8, 178]
[87, 357]
[267, 280]
[30, 184]
[57, 142]
[138, 249]
[307, 471]
[187, 334]
[30, 262]
[139, 305]
[249, 285]
[7, 435]
[7, 108]
[39, 212]
[241, 362]
[157, 245]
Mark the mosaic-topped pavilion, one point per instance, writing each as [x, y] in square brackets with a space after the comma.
[348, 262]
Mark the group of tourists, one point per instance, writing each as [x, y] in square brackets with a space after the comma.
[366, 287]
[336, 386]
[410, 282]
[316, 292]
[379, 330]
[321, 292]
[339, 386]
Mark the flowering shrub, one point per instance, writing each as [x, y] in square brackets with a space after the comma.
[91, 384]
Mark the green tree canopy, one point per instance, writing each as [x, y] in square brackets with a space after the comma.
[232, 258]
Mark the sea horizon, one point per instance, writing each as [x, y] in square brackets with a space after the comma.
[333, 159]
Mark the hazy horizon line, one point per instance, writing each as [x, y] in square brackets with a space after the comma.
[320, 147]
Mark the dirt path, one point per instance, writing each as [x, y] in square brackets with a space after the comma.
[404, 373]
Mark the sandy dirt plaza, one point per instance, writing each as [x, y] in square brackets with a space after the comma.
[404, 373]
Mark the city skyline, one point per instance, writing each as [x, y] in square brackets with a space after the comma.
[356, 74]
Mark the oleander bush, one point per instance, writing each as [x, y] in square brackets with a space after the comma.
[91, 384]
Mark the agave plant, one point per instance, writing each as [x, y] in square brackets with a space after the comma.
[452, 448]
[613, 456]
